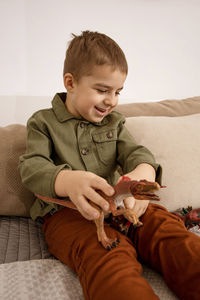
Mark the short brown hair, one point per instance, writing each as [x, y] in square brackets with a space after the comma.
[93, 49]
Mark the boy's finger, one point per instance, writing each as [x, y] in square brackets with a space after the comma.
[140, 207]
[129, 202]
[86, 210]
[101, 184]
[97, 199]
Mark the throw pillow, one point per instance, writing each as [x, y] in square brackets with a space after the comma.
[175, 142]
[15, 199]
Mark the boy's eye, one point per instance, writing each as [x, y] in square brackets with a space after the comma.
[101, 91]
[105, 91]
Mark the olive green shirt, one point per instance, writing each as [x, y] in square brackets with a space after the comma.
[57, 140]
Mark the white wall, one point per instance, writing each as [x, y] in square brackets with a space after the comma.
[161, 40]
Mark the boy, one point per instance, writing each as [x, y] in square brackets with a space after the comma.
[73, 149]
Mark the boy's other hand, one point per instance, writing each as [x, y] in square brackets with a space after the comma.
[139, 207]
[81, 186]
[142, 171]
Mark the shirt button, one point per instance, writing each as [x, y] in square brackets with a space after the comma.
[82, 125]
[84, 151]
[109, 134]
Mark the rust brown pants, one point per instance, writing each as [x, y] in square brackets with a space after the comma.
[162, 242]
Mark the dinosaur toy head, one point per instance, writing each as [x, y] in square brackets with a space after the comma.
[144, 189]
[140, 190]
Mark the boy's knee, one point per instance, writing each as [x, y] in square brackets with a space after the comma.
[156, 214]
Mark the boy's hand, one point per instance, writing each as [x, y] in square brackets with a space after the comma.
[142, 171]
[81, 186]
[139, 207]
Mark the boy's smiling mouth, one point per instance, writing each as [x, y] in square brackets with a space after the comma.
[101, 110]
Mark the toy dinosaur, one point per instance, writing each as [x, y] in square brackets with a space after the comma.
[140, 190]
[189, 216]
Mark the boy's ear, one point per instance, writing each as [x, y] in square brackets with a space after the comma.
[69, 82]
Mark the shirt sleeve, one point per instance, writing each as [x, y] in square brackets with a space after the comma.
[131, 154]
[37, 169]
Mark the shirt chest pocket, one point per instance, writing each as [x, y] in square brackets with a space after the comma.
[105, 143]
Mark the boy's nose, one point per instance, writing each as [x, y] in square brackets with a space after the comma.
[111, 100]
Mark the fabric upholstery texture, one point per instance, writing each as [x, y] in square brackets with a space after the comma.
[39, 280]
[54, 280]
[21, 239]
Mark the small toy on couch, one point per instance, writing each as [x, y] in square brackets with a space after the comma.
[191, 217]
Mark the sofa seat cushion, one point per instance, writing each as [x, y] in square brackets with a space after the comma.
[21, 239]
[175, 142]
[39, 279]
[51, 279]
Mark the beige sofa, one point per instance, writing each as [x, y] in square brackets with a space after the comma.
[169, 128]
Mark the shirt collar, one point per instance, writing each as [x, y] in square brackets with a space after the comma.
[62, 113]
[60, 109]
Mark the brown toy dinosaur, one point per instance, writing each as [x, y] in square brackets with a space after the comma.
[141, 190]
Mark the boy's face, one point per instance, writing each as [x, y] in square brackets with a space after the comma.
[95, 96]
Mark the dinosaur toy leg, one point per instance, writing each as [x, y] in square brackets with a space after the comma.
[129, 214]
[106, 242]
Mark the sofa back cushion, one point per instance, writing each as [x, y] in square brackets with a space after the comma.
[175, 142]
[15, 199]
[170, 108]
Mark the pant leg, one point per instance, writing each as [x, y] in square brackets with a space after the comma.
[108, 275]
[168, 247]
